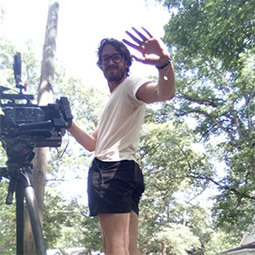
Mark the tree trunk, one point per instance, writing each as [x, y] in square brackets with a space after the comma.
[45, 96]
[163, 247]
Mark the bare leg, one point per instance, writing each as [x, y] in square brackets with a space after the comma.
[133, 234]
[115, 230]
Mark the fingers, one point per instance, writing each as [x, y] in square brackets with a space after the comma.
[144, 38]
[137, 40]
[131, 44]
[147, 32]
[141, 42]
[134, 38]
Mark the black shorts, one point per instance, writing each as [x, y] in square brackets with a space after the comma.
[114, 187]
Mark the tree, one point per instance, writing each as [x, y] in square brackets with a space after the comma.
[45, 96]
[169, 160]
[214, 45]
[223, 29]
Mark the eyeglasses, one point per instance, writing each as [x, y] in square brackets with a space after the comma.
[116, 58]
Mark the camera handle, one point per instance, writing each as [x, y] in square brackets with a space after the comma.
[21, 182]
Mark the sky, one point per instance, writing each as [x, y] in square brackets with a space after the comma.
[82, 24]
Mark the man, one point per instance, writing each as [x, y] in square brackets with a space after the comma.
[115, 181]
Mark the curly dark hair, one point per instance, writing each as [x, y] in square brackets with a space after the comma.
[119, 46]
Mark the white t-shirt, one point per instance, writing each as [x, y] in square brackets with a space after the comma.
[120, 122]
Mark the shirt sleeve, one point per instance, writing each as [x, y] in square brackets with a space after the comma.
[135, 84]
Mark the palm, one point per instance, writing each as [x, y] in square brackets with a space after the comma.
[148, 46]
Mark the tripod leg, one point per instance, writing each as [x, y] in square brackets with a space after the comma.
[35, 220]
[19, 218]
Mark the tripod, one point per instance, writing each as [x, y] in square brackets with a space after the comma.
[19, 171]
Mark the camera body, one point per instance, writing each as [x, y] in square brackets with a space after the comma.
[26, 124]
[43, 124]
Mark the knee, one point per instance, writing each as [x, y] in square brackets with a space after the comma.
[115, 250]
[116, 247]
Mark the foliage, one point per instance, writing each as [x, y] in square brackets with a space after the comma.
[66, 223]
[177, 239]
[2, 12]
[7, 223]
[171, 222]
[218, 242]
[222, 29]
[214, 45]
[215, 97]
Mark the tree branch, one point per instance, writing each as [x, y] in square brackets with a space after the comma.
[226, 187]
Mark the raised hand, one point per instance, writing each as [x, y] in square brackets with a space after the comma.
[152, 52]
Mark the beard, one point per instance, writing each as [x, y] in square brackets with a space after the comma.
[114, 74]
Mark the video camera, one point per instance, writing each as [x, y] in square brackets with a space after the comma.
[26, 124]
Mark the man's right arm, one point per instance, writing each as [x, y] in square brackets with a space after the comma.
[84, 139]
